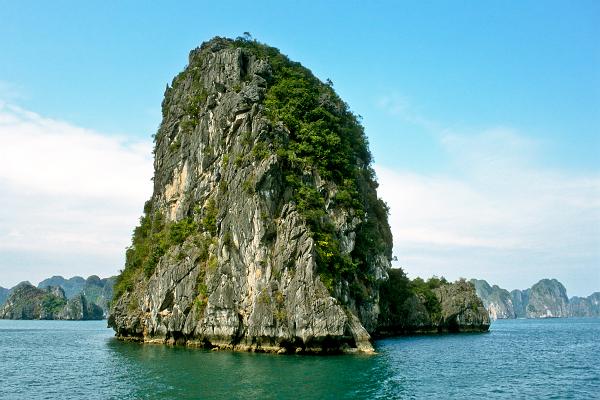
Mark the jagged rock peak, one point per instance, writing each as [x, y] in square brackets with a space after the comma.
[546, 299]
[264, 230]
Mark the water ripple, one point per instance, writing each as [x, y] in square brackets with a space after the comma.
[519, 358]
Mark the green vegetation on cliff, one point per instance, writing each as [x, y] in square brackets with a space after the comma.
[434, 305]
[28, 302]
[399, 288]
[154, 237]
[327, 139]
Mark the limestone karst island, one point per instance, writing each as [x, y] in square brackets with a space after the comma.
[264, 231]
[300, 200]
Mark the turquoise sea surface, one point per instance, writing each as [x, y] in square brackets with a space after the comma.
[542, 359]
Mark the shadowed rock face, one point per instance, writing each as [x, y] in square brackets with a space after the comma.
[461, 309]
[547, 299]
[520, 300]
[449, 307]
[79, 308]
[3, 295]
[266, 231]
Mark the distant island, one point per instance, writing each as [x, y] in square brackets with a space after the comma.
[546, 299]
[58, 298]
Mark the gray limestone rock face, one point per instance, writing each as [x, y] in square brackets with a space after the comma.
[249, 277]
[3, 295]
[96, 290]
[585, 306]
[520, 299]
[461, 309]
[496, 300]
[28, 302]
[547, 299]
[78, 308]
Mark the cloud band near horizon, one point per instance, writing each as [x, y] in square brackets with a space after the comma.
[72, 196]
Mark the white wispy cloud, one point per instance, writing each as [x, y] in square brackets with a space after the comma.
[400, 106]
[500, 215]
[67, 193]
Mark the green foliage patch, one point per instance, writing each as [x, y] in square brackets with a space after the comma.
[327, 139]
[154, 237]
[52, 304]
[399, 288]
[425, 290]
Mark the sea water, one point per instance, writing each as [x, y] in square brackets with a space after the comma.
[553, 358]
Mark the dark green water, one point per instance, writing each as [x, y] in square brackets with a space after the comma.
[557, 358]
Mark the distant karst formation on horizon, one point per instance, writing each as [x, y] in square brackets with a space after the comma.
[58, 298]
[546, 299]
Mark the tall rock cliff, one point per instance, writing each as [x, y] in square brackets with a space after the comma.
[520, 300]
[585, 306]
[264, 230]
[547, 299]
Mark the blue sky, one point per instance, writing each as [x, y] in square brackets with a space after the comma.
[493, 107]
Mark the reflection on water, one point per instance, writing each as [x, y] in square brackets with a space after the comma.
[541, 359]
[181, 372]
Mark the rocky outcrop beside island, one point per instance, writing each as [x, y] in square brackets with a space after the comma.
[28, 302]
[429, 307]
[546, 299]
[461, 309]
